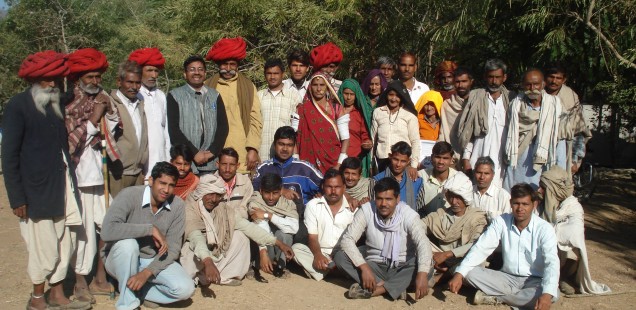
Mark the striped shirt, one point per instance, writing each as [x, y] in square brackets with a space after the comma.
[276, 109]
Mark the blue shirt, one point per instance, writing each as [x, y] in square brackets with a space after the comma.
[530, 252]
[417, 185]
[298, 175]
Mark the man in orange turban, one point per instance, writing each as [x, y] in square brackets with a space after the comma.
[89, 107]
[327, 58]
[151, 62]
[444, 78]
[242, 105]
[38, 177]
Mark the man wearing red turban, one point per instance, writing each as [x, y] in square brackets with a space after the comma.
[39, 179]
[151, 61]
[444, 78]
[327, 58]
[90, 107]
[241, 102]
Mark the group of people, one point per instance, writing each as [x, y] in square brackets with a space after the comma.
[217, 181]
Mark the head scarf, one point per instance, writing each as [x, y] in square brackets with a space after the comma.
[558, 186]
[332, 92]
[208, 184]
[47, 64]
[86, 60]
[445, 66]
[355, 87]
[405, 98]
[325, 54]
[430, 96]
[461, 185]
[366, 84]
[149, 56]
[363, 105]
[226, 49]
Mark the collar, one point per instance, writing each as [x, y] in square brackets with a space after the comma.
[203, 90]
[125, 99]
[290, 84]
[529, 228]
[283, 163]
[149, 92]
[145, 201]
[280, 92]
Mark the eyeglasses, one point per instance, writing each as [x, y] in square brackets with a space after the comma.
[193, 69]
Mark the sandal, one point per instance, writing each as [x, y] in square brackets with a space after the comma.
[357, 292]
[29, 307]
[84, 294]
[95, 290]
[73, 305]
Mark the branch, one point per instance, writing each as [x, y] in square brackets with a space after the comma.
[587, 21]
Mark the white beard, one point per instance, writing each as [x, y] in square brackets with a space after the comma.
[90, 89]
[45, 96]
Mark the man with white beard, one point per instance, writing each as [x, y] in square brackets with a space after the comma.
[39, 180]
[88, 113]
[532, 133]
[151, 62]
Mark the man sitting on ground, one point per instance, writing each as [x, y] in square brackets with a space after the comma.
[488, 195]
[217, 249]
[143, 231]
[400, 157]
[359, 190]
[564, 211]
[530, 273]
[453, 230]
[181, 157]
[326, 218]
[389, 264]
[276, 215]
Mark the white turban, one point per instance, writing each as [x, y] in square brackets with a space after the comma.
[460, 185]
[208, 184]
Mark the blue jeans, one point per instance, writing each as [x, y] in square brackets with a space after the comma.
[170, 285]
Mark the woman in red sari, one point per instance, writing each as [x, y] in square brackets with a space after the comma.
[323, 131]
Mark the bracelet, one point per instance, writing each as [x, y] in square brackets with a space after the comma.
[342, 157]
[36, 297]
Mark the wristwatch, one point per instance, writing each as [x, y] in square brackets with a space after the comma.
[266, 215]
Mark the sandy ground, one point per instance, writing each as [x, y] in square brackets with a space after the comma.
[610, 227]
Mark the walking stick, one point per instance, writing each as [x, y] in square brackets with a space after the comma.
[103, 130]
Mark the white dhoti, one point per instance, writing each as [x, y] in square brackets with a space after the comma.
[570, 233]
[50, 242]
[94, 209]
[234, 264]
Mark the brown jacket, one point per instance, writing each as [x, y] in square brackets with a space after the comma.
[134, 155]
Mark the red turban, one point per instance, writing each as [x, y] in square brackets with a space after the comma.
[228, 48]
[150, 56]
[47, 64]
[445, 66]
[325, 54]
[87, 60]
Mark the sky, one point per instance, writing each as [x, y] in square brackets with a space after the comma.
[3, 5]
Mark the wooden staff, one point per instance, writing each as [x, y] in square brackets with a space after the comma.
[103, 130]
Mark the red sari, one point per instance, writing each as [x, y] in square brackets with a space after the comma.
[318, 138]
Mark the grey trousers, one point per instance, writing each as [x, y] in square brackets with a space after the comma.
[515, 291]
[274, 253]
[396, 280]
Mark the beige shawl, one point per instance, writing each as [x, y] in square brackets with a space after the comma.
[558, 186]
[363, 189]
[524, 123]
[467, 228]
[451, 113]
[474, 118]
[572, 122]
[284, 206]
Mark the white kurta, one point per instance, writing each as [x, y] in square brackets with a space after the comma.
[158, 138]
[490, 144]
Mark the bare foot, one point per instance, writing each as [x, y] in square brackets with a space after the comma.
[37, 303]
[100, 286]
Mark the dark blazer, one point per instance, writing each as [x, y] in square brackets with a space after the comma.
[32, 148]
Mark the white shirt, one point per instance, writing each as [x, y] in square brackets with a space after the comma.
[158, 137]
[530, 252]
[89, 167]
[491, 143]
[135, 113]
[276, 109]
[418, 90]
[288, 83]
[495, 201]
[287, 225]
[329, 227]
[433, 190]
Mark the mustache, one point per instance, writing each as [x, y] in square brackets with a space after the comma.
[494, 88]
[533, 94]
[231, 72]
